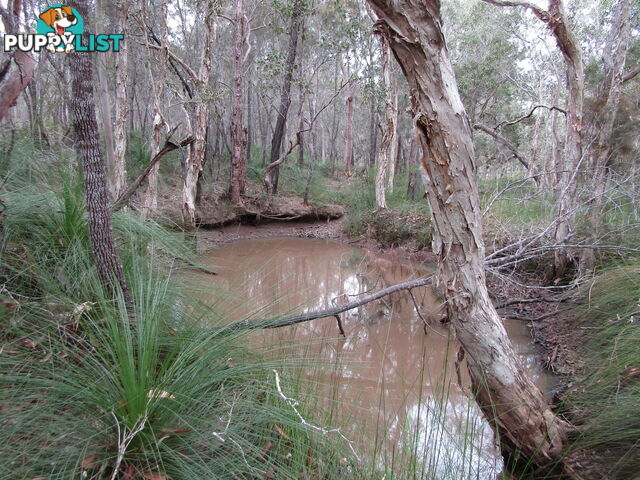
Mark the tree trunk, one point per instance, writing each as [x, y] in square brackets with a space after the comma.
[238, 129]
[389, 131]
[393, 148]
[120, 133]
[348, 136]
[567, 202]
[105, 118]
[285, 92]
[87, 148]
[14, 81]
[198, 148]
[510, 401]
[606, 107]
[151, 196]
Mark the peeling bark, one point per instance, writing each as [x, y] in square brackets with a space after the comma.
[510, 401]
[239, 135]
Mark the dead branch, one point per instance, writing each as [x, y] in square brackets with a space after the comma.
[530, 300]
[505, 141]
[169, 146]
[278, 322]
[631, 74]
[524, 117]
[294, 143]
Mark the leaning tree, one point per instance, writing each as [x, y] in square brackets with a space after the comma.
[510, 401]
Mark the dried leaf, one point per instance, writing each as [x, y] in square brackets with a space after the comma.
[159, 394]
[89, 462]
[265, 450]
[174, 431]
[280, 431]
[155, 476]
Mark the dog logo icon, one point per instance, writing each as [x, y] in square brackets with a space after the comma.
[63, 21]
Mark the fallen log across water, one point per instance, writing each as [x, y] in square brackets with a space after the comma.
[278, 322]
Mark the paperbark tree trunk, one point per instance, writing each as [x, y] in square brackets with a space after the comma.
[604, 114]
[389, 131]
[567, 191]
[87, 148]
[13, 81]
[393, 148]
[120, 134]
[285, 92]
[198, 148]
[238, 128]
[510, 401]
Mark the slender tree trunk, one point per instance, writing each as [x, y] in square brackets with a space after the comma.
[567, 190]
[389, 130]
[373, 135]
[510, 401]
[238, 129]
[158, 82]
[614, 58]
[348, 136]
[105, 118]
[120, 133]
[285, 92]
[87, 148]
[13, 81]
[393, 148]
[198, 147]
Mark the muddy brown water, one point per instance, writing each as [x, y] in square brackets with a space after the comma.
[392, 389]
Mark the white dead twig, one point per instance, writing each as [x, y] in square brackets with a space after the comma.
[293, 403]
[125, 436]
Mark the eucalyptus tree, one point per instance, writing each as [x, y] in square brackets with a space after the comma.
[297, 12]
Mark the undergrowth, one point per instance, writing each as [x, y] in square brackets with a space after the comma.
[94, 389]
[605, 398]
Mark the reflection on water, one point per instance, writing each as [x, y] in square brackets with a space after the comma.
[388, 383]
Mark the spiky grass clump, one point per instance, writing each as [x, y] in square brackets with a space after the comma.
[92, 388]
[606, 398]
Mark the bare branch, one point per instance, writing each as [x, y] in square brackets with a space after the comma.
[631, 74]
[524, 117]
[537, 11]
[169, 146]
[505, 141]
[278, 322]
[179, 61]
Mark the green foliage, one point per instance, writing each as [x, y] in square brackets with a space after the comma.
[404, 221]
[88, 385]
[606, 395]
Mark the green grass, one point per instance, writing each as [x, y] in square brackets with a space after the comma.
[87, 390]
[606, 397]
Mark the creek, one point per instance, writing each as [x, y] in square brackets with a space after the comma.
[391, 383]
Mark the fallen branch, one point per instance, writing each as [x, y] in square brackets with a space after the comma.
[278, 322]
[530, 300]
[169, 146]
